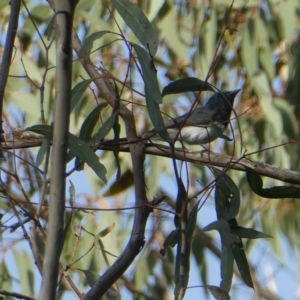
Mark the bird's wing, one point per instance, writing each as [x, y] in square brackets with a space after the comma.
[200, 117]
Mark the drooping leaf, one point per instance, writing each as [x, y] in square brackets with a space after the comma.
[227, 196]
[149, 72]
[152, 92]
[180, 199]
[105, 128]
[226, 266]
[242, 263]
[91, 276]
[172, 240]
[276, 192]
[78, 147]
[223, 227]
[138, 23]
[78, 92]
[218, 293]
[189, 84]
[248, 233]
[41, 153]
[105, 231]
[89, 123]
[89, 41]
[120, 185]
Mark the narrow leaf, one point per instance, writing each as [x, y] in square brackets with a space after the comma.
[78, 92]
[138, 23]
[89, 41]
[78, 147]
[248, 233]
[227, 196]
[227, 261]
[189, 84]
[218, 293]
[242, 264]
[276, 192]
[89, 123]
[224, 230]
[106, 231]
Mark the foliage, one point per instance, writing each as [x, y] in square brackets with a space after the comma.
[146, 56]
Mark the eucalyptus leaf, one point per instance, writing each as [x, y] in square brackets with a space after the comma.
[78, 147]
[138, 23]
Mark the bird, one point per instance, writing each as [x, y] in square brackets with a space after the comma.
[202, 125]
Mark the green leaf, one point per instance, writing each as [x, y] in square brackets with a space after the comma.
[138, 23]
[120, 185]
[189, 84]
[226, 268]
[218, 293]
[290, 125]
[152, 92]
[89, 41]
[198, 249]
[180, 199]
[105, 128]
[172, 240]
[41, 153]
[223, 227]
[78, 147]
[149, 73]
[105, 231]
[78, 92]
[91, 276]
[89, 123]
[242, 264]
[275, 192]
[227, 196]
[248, 233]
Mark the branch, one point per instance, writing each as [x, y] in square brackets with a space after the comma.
[54, 243]
[203, 158]
[7, 54]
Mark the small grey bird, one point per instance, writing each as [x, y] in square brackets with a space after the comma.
[204, 124]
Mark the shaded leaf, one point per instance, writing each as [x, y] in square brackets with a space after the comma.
[223, 228]
[218, 293]
[78, 92]
[189, 84]
[275, 192]
[78, 147]
[227, 196]
[89, 123]
[248, 233]
[242, 264]
[105, 128]
[41, 153]
[120, 185]
[89, 41]
[172, 240]
[180, 199]
[227, 260]
[138, 23]
[91, 276]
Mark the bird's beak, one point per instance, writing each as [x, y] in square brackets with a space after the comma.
[233, 93]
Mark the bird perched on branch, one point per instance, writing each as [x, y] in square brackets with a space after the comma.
[202, 125]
